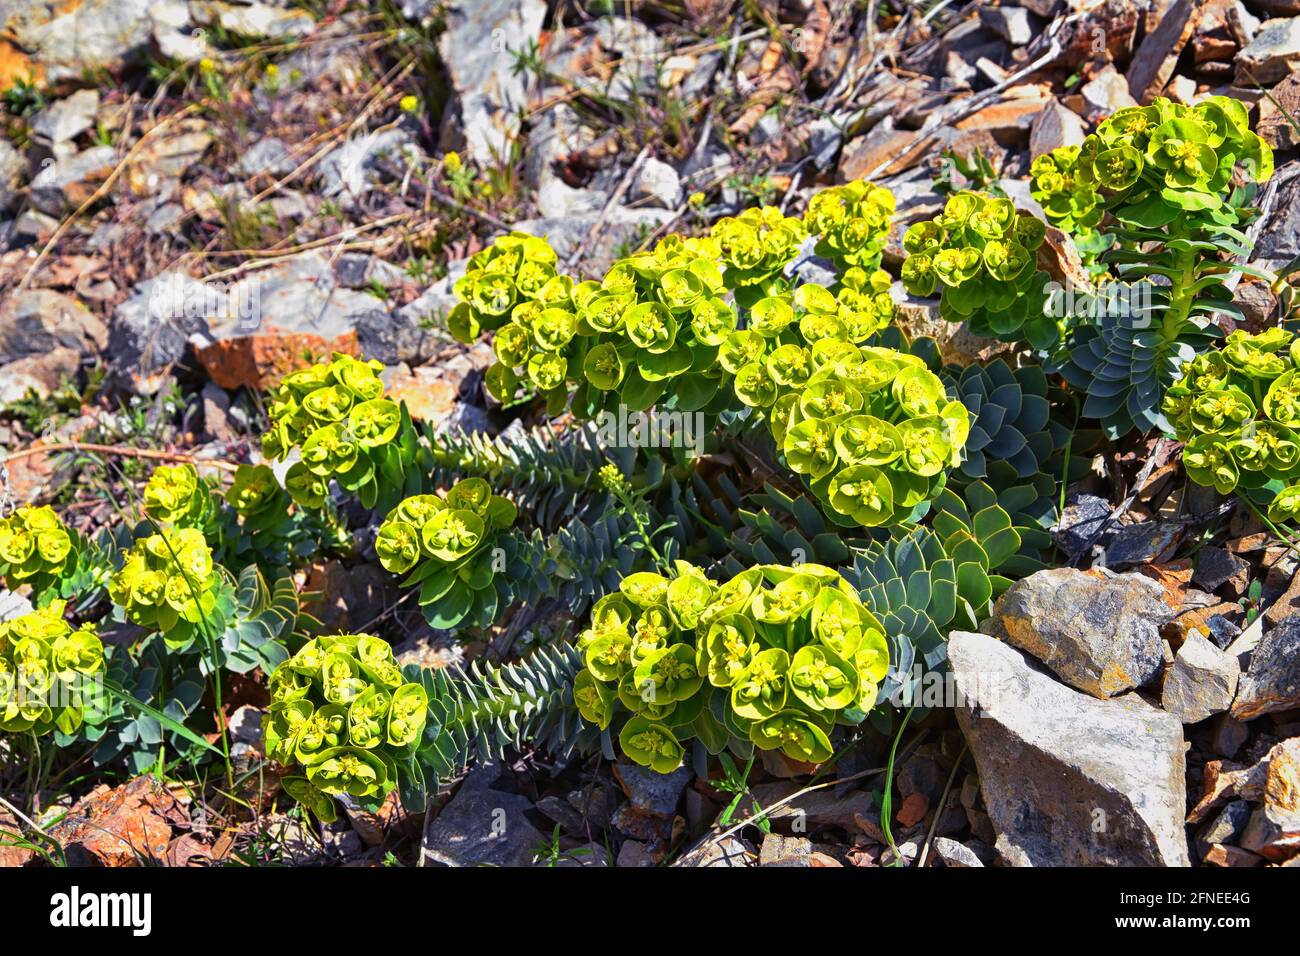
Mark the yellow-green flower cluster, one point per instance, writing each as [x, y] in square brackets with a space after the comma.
[1156, 161]
[1238, 410]
[852, 223]
[515, 290]
[775, 657]
[47, 670]
[757, 244]
[175, 494]
[871, 429]
[341, 710]
[1069, 201]
[36, 548]
[168, 583]
[338, 418]
[442, 544]
[980, 252]
[515, 269]
[254, 491]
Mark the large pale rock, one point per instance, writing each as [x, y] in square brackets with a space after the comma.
[478, 47]
[1201, 682]
[62, 41]
[67, 118]
[1099, 634]
[1068, 780]
[1272, 682]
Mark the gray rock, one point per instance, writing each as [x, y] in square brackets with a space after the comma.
[1081, 523]
[150, 331]
[1272, 682]
[658, 182]
[1054, 127]
[246, 725]
[1201, 682]
[35, 321]
[1144, 542]
[651, 791]
[350, 171]
[711, 851]
[297, 294]
[478, 47]
[173, 33]
[1222, 631]
[559, 810]
[557, 134]
[391, 339]
[948, 852]
[66, 119]
[63, 184]
[482, 826]
[1225, 828]
[1272, 55]
[1068, 780]
[1105, 93]
[1218, 566]
[1280, 238]
[1099, 634]
[269, 156]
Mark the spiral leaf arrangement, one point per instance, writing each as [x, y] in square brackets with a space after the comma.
[1165, 174]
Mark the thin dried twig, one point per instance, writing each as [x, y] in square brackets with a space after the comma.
[121, 451]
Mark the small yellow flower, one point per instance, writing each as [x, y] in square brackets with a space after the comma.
[451, 161]
[697, 199]
[272, 71]
[409, 103]
[206, 65]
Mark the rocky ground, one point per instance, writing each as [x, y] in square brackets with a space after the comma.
[196, 196]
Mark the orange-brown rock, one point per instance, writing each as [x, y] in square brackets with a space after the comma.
[130, 825]
[260, 360]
